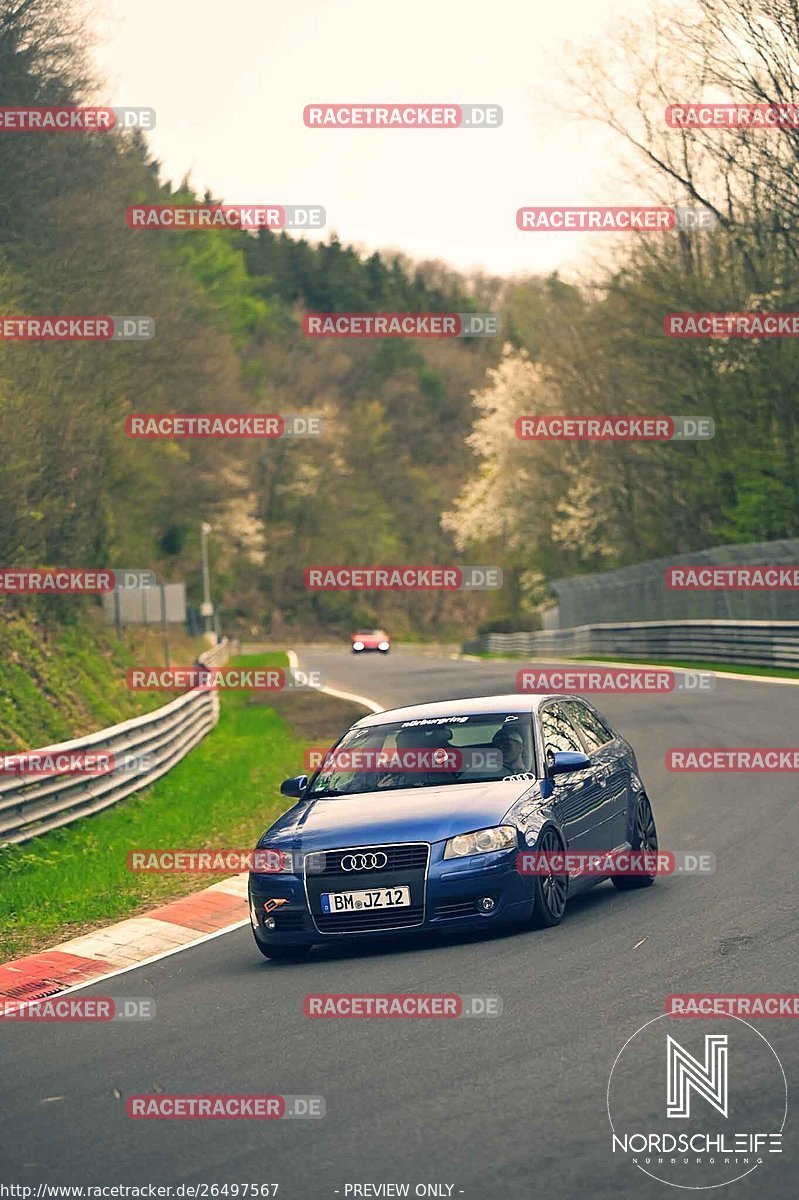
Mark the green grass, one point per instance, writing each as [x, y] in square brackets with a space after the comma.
[223, 794]
[62, 682]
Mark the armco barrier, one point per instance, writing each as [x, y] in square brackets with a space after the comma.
[756, 643]
[31, 805]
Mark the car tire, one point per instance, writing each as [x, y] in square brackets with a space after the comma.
[645, 837]
[551, 891]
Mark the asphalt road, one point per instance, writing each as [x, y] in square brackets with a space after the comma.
[513, 1106]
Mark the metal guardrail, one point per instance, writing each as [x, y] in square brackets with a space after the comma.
[144, 749]
[756, 643]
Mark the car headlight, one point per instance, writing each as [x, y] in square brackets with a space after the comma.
[271, 861]
[482, 841]
[357, 645]
[382, 645]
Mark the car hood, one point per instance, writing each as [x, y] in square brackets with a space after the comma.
[428, 814]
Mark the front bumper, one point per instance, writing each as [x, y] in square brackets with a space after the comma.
[448, 896]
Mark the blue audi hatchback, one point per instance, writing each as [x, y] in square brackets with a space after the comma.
[419, 818]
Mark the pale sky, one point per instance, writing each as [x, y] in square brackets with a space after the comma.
[229, 83]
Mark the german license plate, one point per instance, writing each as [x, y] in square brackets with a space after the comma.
[339, 902]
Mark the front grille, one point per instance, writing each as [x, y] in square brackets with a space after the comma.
[364, 922]
[405, 866]
[399, 858]
[456, 908]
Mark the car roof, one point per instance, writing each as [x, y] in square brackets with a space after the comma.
[511, 702]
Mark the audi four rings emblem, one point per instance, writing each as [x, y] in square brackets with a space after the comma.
[364, 862]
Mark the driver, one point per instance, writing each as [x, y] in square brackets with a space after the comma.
[422, 739]
[511, 743]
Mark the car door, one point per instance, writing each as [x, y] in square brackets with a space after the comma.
[579, 799]
[608, 752]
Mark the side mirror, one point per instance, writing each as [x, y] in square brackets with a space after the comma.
[294, 786]
[563, 762]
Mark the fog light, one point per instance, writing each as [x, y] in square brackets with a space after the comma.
[485, 904]
[270, 923]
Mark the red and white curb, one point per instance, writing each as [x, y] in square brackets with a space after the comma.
[116, 948]
[166, 930]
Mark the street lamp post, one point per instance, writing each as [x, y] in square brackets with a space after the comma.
[206, 608]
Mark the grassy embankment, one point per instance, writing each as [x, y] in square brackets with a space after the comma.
[223, 794]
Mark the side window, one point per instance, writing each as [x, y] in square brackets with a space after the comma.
[596, 733]
[558, 732]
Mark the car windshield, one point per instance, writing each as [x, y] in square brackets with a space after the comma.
[428, 752]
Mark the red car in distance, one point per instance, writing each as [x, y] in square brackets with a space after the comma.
[370, 639]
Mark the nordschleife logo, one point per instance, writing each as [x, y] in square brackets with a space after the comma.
[700, 1110]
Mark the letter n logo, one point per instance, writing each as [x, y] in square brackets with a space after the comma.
[708, 1079]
